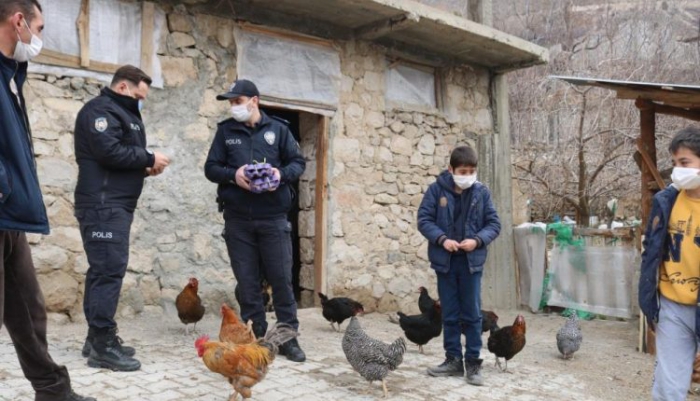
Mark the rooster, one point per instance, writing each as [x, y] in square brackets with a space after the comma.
[336, 310]
[506, 342]
[189, 305]
[245, 365]
[420, 329]
[425, 302]
[232, 329]
[371, 358]
[569, 337]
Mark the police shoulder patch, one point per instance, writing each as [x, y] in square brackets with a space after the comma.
[101, 124]
[270, 137]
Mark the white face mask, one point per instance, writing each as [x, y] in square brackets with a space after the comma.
[241, 113]
[464, 181]
[685, 177]
[27, 51]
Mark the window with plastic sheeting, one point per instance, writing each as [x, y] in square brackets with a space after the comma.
[100, 36]
[411, 88]
[292, 69]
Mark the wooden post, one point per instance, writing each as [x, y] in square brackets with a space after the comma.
[147, 32]
[647, 143]
[83, 23]
[499, 283]
[320, 239]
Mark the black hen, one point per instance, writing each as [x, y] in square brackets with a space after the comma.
[425, 303]
[336, 310]
[420, 329]
[265, 293]
[489, 320]
[506, 342]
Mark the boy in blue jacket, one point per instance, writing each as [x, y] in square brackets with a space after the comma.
[670, 273]
[459, 220]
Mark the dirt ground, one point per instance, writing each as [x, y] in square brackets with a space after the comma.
[608, 366]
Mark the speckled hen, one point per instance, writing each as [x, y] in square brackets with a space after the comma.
[371, 358]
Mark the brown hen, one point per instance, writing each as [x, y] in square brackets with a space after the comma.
[232, 329]
[189, 304]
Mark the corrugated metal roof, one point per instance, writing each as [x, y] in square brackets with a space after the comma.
[682, 96]
[629, 84]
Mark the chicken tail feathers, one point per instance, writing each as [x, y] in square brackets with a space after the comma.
[396, 351]
[277, 336]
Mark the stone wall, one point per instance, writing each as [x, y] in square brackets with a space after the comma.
[381, 162]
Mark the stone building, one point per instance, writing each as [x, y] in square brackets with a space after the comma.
[378, 92]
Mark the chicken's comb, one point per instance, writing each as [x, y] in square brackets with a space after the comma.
[201, 340]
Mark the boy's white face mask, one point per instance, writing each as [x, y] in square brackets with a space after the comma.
[464, 181]
[686, 177]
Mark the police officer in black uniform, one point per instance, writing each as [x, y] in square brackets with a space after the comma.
[110, 148]
[257, 232]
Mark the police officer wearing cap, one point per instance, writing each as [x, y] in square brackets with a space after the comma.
[256, 230]
[110, 148]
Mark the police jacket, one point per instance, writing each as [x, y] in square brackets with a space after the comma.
[436, 218]
[655, 248]
[235, 145]
[21, 204]
[110, 148]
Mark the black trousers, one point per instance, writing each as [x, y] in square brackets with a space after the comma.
[105, 234]
[23, 312]
[262, 244]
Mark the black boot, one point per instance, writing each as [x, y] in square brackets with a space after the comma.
[107, 353]
[451, 367]
[72, 396]
[473, 368]
[126, 350]
[292, 351]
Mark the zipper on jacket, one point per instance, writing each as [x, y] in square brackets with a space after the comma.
[250, 160]
[22, 108]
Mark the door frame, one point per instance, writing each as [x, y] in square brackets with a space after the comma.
[321, 188]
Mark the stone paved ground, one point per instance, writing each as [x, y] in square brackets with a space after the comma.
[606, 368]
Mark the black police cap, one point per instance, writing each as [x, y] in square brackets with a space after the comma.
[242, 87]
